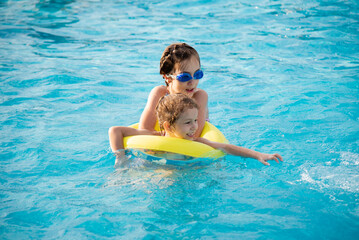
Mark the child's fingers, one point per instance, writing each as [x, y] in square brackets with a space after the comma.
[274, 157]
[279, 156]
[156, 133]
[264, 162]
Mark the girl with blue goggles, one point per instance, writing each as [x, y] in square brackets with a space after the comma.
[181, 62]
[185, 77]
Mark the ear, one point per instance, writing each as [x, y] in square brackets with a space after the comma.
[167, 126]
[167, 79]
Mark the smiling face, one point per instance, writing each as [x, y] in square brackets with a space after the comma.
[188, 88]
[185, 126]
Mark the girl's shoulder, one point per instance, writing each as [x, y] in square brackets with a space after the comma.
[156, 93]
[159, 91]
[200, 94]
[200, 91]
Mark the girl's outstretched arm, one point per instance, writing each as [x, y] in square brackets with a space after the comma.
[243, 152]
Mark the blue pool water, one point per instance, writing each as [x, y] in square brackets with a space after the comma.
[282, 76]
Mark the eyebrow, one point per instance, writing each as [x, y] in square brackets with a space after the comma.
[186, 119]
[189, 72]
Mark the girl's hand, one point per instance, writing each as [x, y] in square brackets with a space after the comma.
[263, 158]
[156, 133]
[121, 158]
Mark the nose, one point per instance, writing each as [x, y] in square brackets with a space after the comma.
[190, 82]
[194, 126]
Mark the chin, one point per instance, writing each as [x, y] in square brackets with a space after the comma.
[188, 94]
[189, 137]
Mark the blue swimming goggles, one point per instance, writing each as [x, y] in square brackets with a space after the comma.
[185, 77]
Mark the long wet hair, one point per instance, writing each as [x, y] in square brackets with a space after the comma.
[170, 107]
[176, 53]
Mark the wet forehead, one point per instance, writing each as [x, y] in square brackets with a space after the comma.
[190, 65]
[188, 114]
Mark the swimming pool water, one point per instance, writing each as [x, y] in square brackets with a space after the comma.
[282, 76]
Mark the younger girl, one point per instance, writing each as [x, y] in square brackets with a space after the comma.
[177, 115]
[181, 68]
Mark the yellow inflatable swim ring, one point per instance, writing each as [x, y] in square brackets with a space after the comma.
[177, 145]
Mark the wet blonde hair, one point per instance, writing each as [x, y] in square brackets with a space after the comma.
[176, 53]
[170, 107]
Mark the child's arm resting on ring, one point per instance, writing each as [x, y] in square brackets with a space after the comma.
[243, 152]
[116, 135]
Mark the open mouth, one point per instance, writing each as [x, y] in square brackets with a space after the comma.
[190, 135]
[190, 90]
